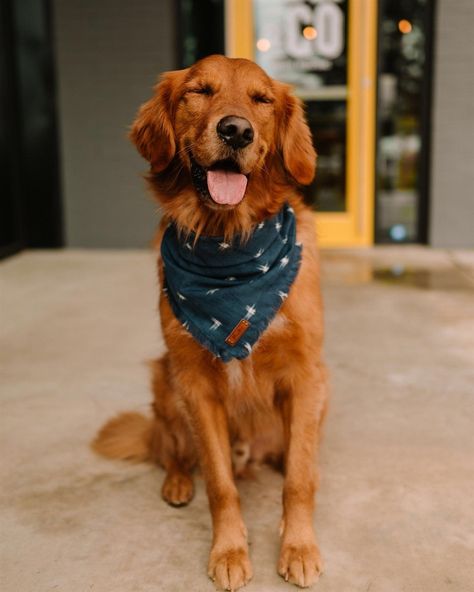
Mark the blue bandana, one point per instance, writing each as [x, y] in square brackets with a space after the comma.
[226, 293]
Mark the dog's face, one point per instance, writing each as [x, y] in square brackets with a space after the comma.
[225, 122]
[224, 125]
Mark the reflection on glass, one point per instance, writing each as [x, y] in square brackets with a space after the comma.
[304, 43]
[401, 80]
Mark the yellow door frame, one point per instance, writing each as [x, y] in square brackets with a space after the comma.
[354, 226]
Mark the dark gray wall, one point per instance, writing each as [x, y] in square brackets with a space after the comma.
[452, 181]
[109, 53]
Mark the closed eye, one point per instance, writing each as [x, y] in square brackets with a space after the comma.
[259, 98]
[202, 90]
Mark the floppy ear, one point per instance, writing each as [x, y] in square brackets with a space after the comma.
[152, 131]
[294, 138]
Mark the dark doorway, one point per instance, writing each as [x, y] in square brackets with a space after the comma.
[30, 207]
[201, 30]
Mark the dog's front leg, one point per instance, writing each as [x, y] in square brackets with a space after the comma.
[302, 409]
[229, 564]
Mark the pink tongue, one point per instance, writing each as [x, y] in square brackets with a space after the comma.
[226, 187]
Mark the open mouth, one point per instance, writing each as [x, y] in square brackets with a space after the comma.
[222, 182]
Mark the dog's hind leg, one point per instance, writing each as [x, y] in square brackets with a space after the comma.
[164, 439]
[172, 444]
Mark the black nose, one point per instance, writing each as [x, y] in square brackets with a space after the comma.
[235, 131]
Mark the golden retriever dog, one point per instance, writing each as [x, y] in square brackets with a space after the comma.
[228, 149]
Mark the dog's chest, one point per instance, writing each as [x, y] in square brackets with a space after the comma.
[250, 376]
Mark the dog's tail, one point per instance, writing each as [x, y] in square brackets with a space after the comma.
[128, 436]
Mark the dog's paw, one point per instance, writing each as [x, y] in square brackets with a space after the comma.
[178, 489]
[300, 564]
[230, 569]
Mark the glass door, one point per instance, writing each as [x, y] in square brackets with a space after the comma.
[327, 50]
[404, 105]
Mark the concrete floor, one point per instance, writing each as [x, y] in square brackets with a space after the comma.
[395, 508]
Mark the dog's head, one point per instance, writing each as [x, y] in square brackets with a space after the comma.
[222, 136]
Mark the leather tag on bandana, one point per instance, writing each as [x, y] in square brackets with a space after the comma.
[237, 332]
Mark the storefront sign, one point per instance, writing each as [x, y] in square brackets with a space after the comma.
[303, 43]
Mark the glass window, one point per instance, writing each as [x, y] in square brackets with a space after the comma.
[402, 99]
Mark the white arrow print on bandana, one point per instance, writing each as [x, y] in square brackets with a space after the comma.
[258, 254]
[278, 225]
[186, 325]
[283, 295]
[188, 246]
[215, 324]
[261, 225]
[284, 240]
[213, 291]
[248, 347]
[224, 246]
[290, 209]
[263, 268]
[284, 261]
[231, 278]
[251, 310]
[180, 296]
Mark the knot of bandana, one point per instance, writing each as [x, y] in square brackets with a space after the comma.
[226, 293]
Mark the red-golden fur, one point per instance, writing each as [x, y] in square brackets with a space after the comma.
[202, 406]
